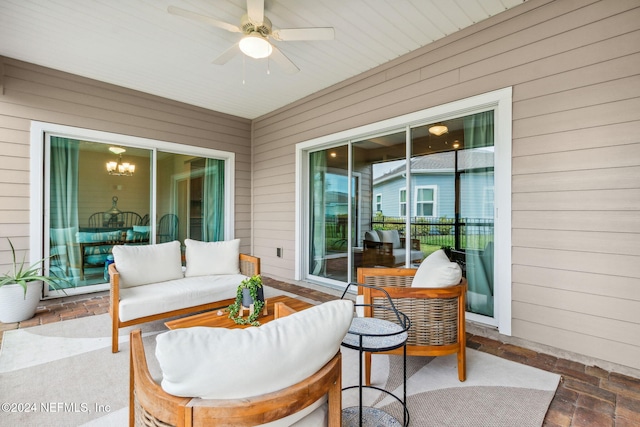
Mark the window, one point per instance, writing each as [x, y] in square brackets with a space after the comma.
[426, 201]
[378, 206]
[403, 202]
[487, 202]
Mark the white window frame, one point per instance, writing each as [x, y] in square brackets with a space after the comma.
[500, 101]
[401, 203]
[434, 202]
[378, 203]
[486, 200]
[39, 202]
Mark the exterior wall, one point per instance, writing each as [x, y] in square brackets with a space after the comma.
[574, 67]
[30, 92]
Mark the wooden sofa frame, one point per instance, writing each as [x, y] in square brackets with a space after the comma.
[249, 266]
[150, 405]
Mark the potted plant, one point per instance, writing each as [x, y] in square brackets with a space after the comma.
[21, 289]
[249, 292]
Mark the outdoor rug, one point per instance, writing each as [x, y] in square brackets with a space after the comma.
[64, 374]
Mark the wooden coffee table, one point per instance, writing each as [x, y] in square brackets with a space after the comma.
[213, 319]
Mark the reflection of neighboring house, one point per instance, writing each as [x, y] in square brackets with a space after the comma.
[336, 203]
[433, 186]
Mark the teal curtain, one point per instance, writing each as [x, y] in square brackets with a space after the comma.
[213, 201]
[318, 170]
[63, 217]
[479, 132]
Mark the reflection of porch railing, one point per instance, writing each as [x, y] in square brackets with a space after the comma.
[472, 233]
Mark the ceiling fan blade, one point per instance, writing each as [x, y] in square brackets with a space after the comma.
[255, 11]
[203, 18]
[291, 34]
[227, 55]
[284, 62]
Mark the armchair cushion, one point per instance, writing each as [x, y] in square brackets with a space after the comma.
[210, 258]
[390, 236]
[143, 264]
[436, 271]
[205, 362]
[372, 236]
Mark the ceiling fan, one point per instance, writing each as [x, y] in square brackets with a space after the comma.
[257, 30]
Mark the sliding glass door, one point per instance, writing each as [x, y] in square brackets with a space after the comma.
[330, 199]
[190, 198]
[92, 208]
[100, 194]
[421, 187]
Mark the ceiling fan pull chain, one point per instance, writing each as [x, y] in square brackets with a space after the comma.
[243, 69]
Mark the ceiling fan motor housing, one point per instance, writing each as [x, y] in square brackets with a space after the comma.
[249, 27]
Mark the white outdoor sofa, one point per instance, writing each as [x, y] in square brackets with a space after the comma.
[149, 283]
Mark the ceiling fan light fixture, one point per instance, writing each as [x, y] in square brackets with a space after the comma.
[255, 46]
[438, 129]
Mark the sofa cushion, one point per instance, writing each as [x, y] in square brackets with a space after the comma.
[98, 236]
[139, 233]
[161, 297]
[206, 362]
[436, 271]
[390, 236]
[208, 258]
[144, 264]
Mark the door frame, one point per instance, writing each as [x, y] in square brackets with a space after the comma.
[500, 101]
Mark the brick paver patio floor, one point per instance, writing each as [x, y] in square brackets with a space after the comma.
[586, 397]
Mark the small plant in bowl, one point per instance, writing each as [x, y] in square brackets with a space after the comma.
[253, 287]
[21, 288]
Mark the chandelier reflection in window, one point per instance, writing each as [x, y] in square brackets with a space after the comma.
[120, 168]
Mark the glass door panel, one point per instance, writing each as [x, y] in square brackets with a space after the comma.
[190, 198]
[98, 197]
[380, 162]
[452, 178]
[329, 213]
[434, 186]
[476, 170]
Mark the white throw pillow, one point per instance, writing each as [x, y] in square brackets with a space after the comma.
[209, 258]
[436, 271]
[220, 363]
[143, 264]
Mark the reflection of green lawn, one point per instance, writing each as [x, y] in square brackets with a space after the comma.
[428, 249]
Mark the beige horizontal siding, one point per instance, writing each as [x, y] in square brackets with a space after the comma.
[589, 345]
[599, 220]
[575, 72]
[36, 93]
[579, 241]
[619, 177]
[613, 286]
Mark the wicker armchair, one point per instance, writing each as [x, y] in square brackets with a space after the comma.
[437, 314]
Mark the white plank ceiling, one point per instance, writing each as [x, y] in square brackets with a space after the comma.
[137, 44]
